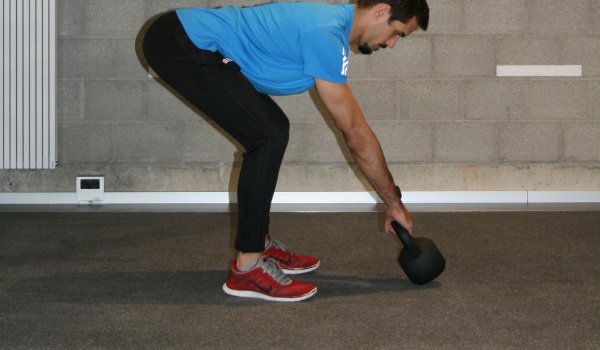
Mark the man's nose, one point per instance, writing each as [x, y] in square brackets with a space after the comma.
[392, 42]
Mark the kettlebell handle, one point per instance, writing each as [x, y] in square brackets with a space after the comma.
[406, 239]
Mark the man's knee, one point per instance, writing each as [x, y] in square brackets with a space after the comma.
[273, 138]
[281, 133]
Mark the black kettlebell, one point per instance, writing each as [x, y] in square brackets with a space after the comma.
[420, 259]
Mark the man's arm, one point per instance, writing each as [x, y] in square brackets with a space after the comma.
[365, 148]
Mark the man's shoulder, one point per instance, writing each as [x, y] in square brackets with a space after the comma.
[315, 14]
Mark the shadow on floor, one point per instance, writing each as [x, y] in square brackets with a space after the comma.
[176, 288]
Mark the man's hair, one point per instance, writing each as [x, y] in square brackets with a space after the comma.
[403, 10]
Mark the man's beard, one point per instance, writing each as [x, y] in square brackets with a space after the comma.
[365, 49]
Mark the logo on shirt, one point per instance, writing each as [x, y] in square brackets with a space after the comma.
[344, 62]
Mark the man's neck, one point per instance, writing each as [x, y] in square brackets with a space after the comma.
[362, 17]
[358, 25]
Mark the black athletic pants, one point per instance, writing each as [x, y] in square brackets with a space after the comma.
[222, 92]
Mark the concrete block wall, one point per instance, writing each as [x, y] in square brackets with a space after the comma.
[445, 121]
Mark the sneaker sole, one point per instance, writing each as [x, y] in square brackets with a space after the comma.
[300, 271]
[256, 295]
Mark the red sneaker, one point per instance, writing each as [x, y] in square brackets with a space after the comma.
[290, 263]
[266, 281]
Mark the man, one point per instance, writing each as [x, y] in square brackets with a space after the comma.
[228, 61]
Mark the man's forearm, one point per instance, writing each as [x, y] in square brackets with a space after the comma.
[365, 148]
[368, 154]
[361, 140]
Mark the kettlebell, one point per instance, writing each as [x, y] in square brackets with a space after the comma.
[420, 259]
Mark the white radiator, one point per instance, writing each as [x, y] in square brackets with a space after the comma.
[28, 65]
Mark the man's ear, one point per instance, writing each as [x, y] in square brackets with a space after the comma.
[381, 10]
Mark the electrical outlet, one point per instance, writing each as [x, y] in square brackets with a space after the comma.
[90, 188]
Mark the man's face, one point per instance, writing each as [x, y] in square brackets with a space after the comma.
[381, 34]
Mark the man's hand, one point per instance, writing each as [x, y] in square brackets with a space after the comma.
[401, 215]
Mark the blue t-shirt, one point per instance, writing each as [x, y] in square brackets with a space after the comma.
[280, 47]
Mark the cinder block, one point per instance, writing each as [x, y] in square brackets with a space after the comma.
[316, 142]
[154, 7]
[495, 99]
[124, 178]
[223, 3]
[165, 105]
[146, 143]
[69, 99]
[530, 142]
[69, 17]
[558, 99]
[495, 17]
[205, 142]
[127, 63]
[377, 99]
[582, 142]
[405, 141]
[88, 58]
[85, 143]
[445, 16]
[465, 142]
[595, 101]
[61, 179]
[528, 50]
[302, 107]
[446, 177]
[114, 100]
[497, 177]
[13, 181]
[320, 178]
[171, 178]
[595, 16]
[360, 66]
[585, 51]
[431, 99]
[464, 56]
[113, 18]
[559, 17]
[411, 57]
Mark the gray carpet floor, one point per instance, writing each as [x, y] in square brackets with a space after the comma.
[514, 280]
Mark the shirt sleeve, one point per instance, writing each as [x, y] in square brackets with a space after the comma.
[325, 56]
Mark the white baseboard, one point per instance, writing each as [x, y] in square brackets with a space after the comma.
[433, 197]
[564, 197]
